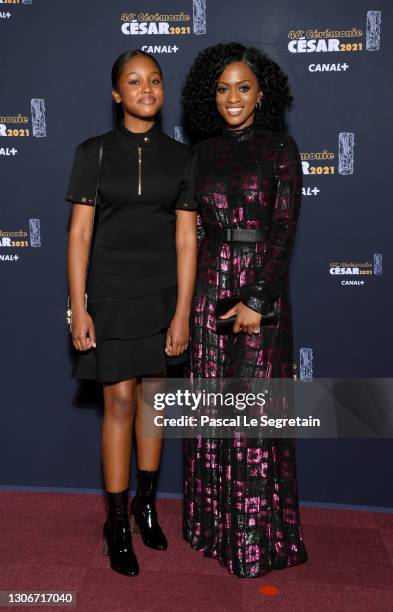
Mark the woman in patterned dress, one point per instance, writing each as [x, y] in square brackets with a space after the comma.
[241, 502]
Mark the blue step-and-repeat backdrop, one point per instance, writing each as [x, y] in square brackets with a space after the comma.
[56, 92]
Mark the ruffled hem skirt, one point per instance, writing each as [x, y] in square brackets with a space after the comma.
[130, 339]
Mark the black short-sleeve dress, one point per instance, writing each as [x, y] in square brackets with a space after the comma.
[132, 281]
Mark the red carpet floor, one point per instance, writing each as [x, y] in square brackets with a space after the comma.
[52, 542]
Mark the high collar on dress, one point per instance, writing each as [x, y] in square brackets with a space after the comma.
[140, 138]
[242, 134]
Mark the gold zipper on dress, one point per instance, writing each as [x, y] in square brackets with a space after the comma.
[139, 170]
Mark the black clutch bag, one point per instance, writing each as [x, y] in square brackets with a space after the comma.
[224, 326]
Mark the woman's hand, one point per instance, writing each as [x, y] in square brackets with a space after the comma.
[247, 320]
[82, 331]
[177, 336]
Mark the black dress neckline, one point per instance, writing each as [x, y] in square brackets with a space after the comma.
[140, 138]
[242, 134]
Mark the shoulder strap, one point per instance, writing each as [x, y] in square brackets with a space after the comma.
[100, 154]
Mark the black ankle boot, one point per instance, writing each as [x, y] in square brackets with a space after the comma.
[117, 536]
[143, 511]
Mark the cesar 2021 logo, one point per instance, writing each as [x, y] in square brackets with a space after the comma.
[148, 24]
[20, 239]
[17, 126]
[350, 40]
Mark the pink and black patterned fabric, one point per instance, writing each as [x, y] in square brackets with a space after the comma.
[241, 502]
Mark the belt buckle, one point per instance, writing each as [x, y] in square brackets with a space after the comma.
[228, 237]
[244, 235]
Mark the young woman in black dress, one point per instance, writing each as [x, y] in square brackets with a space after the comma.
[139, 286]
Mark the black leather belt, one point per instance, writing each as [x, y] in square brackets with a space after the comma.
[229, 234]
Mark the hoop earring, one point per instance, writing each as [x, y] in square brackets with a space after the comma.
[258, 105]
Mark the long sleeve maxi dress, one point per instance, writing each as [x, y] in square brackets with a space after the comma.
[241, 501]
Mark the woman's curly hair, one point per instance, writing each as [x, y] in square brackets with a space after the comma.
[199, 92]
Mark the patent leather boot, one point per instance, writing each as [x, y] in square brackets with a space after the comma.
[143, 511]
[117, 536]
